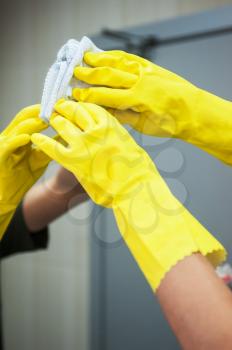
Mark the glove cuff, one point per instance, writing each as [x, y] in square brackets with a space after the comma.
[157, 236]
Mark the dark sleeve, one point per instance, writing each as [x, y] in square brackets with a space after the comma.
[18, 238]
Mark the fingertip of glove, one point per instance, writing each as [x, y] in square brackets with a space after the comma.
[60, 101]
[80, 94]
[21, 139]
[57, 120]
[25, 138]
[89, 56]
[63, 102]
[65, 108]
[36, 137]
[58, 105]
[79, 71]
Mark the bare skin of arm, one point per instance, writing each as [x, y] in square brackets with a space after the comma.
[197, 305]
[47, 201]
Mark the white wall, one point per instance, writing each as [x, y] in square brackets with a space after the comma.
[45, 295]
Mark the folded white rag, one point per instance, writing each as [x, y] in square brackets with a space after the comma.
[59, 80]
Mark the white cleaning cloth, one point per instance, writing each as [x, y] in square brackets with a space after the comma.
[59, 80]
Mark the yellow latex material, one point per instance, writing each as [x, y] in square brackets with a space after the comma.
[119, 174]
[20, 163]
[156, 101]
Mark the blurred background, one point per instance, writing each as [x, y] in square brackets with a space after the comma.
[54, 299]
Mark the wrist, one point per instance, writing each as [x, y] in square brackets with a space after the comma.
[61, 190]
[211, 125]
[182, 108]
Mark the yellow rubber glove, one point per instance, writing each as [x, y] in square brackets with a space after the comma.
[21, 164]
[157, 102]
[119, 174]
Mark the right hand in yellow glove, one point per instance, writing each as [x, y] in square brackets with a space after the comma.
[117, 173]
[156, 101]
[20, 163]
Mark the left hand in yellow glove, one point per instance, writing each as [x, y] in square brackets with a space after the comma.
[156, 102]
[21, 164]
[117, 173]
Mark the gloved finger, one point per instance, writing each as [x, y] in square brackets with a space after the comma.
[57, 138]
[98, 113]
[29, 127]
[24, 114]
[12, 144]
[49, 146]
[106, 59]
[134, 59]
[85, 119]
[105, 76]
[130, 58]
[114, 98]
[66, 129]
[85, 115]
[76, 113]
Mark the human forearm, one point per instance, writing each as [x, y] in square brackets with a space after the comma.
[46, 202]
[197, 305]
